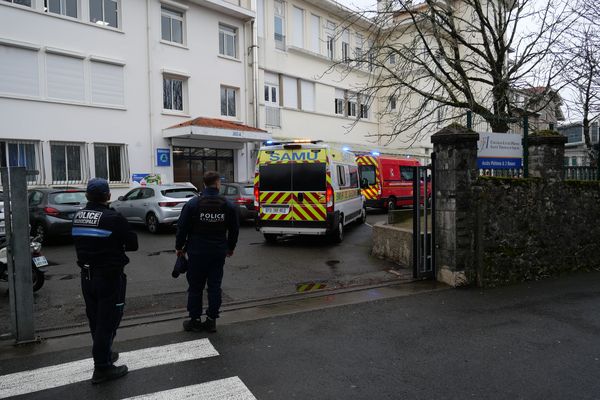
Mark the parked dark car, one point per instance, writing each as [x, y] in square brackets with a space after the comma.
[51, 211]
[242, 196]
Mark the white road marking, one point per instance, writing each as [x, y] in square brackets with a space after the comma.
[224, 389]
[65, 374]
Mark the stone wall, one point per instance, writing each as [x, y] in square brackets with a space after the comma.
[392, 243]
[533, 228]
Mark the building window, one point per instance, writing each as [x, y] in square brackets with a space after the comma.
[21, 154]
[173, 93]
[574, 161]
[290, 92]
[279, 22]
[20, 71]
[110, 162]
[227, 41]
[346, 46]
[351, 106]
[107, 84]
[307, 95]
[330, 29]
[339, 102]
[392, 102]
[20, 2]
[315, 33]
[62, 7]
[67, 165]
[298, 20]
[171, 22]
[392, 58]
[364, 111]
[228, 102]
[105, 12]
[65, 78]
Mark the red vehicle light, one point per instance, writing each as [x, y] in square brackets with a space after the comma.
[256, 196]
[51, 211]
[329, 196]
[169, 203]
[241, 200]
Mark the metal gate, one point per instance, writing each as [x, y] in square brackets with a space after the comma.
[424, 221]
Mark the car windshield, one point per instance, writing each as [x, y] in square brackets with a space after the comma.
[183, 193]
[249, 190]
[367, 174]
[67, 198]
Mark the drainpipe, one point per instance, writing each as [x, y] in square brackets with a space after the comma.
[150, 91]
[256, 91]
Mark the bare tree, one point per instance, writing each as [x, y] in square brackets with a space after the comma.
[581, 58]
[436, 59]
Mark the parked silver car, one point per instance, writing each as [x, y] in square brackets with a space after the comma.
[154, 205]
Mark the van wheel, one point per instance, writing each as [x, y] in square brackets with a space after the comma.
[152, 223]
[363, 216]
[391, 204]
[338, 234]
[270, 237]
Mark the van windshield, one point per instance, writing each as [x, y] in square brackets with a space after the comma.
[367, 175]
[293, 177]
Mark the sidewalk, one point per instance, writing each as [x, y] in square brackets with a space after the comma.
[532, 341]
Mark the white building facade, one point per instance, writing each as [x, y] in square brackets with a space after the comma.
[91, 88]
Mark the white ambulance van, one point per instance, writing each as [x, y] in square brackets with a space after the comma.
[306, 188]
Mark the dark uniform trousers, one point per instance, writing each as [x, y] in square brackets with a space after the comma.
[205, 269]
[104, 295]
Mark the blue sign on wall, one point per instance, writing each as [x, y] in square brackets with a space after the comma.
[499, 163]
[163, 157]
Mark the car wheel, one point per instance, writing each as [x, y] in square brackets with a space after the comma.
[152, 223]
[40, 232]
[38, 278]
[391, 204]
[270, 237]
[338, 234]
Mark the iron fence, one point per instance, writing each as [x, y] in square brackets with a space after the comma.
[503, 173]
[581, 173]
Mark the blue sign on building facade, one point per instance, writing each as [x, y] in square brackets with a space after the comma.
[163, 157]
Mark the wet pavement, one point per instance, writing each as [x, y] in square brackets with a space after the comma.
[256, 271]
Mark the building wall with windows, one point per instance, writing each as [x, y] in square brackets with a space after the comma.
[88, 86]
[576, 152]
[299, 42]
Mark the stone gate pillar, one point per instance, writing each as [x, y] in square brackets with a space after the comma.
[547, 157]
[456, 170]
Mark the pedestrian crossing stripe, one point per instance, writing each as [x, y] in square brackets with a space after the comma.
[77, 371]
[223, 389]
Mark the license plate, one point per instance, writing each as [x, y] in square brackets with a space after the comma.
[40, 261]
[276, 210]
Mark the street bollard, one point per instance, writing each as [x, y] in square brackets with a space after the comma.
[16, 215]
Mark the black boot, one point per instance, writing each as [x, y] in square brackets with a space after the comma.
[104, 374]
[210, 325]
[114, 356]
[192, 325]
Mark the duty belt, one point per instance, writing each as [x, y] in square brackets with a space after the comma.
[89, 271]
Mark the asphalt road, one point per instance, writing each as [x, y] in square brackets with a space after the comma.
[532, 341]
[256, 271]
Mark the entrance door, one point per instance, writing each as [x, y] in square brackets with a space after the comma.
[424, 221]
[191, 163]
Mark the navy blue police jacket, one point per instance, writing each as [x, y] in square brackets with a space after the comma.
[101, 236]
[222, 237]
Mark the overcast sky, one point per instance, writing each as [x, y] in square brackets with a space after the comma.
[360, 4]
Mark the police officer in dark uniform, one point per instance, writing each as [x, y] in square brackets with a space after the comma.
[101, 237]
[207, 231]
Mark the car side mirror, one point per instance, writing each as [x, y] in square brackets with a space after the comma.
[121, 198]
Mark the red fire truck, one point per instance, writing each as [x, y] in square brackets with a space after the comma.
[387, 181]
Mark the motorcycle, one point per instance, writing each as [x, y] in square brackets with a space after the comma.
[38, 261]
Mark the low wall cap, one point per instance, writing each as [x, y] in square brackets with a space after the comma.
[454, 133]
[547, 139]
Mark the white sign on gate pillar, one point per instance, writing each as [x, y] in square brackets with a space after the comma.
[499, 151]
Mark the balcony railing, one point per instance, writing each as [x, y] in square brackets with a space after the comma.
[280, 41]
[273, 116]
[581, 173]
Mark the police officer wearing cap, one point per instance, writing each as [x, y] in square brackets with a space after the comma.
[101, 237]
[207, 231]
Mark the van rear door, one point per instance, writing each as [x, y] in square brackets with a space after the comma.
[309, 184]
[276, 197]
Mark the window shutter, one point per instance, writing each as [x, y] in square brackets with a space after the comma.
[298, 22]
[107, 84]
[19, 71]
[290, 92]
[65, 77]
[308, 95]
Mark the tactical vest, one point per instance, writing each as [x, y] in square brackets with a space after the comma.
[209, 217]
